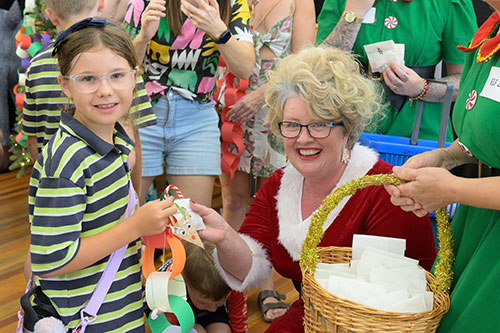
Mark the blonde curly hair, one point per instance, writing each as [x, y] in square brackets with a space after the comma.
[330, 83]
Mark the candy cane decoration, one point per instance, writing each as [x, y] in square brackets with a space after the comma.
[172, 188]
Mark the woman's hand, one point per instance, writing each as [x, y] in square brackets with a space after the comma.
[427, 189]
[150, 19]
[152, 217]
[405, 82]
[247, 106]
[216, 226]
[205, 16]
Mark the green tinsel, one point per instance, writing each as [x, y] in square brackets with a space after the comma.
[309, 256]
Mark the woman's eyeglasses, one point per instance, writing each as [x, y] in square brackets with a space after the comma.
[317, 130]
[89, 83]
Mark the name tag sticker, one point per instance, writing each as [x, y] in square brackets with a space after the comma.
[491, 88]
[370, 16]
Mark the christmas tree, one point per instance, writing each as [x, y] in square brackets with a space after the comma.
[34, 36]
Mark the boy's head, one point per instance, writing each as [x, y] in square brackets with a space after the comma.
[207, 290]
[64, 13]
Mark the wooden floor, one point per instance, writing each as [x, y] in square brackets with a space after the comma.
[14, 242]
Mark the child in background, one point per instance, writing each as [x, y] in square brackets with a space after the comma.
[44, 98]
[79, 187]
[216, 307]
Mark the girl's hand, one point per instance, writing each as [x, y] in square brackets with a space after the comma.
[246, 107]
[359, 7]
[205, 16]
[152, 217]
[405, 82]
[216, 226]
[150, 19]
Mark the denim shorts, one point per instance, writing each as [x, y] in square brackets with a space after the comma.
[186, 134]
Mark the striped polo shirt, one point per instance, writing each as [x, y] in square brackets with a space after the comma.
[44, 99]
[79, 187]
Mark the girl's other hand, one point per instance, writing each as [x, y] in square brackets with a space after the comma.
[216, 226]
[150, 19]
[152, 217]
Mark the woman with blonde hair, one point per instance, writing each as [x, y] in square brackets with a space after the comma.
[319, 103]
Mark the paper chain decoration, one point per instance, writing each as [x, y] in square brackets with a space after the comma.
[166, 291]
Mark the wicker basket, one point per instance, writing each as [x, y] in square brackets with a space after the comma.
[324, 312]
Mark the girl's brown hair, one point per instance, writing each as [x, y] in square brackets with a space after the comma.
[107, 36]
[175, 18]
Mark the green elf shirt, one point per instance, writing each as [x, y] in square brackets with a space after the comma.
[431, 31]
[475, 295]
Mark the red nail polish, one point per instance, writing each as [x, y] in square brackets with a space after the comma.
[192, 201]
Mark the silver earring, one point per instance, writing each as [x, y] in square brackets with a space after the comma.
[345, 155]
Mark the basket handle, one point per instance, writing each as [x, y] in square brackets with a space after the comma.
[309, 254]
[445, 115]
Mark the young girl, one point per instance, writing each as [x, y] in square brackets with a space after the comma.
[79, 186]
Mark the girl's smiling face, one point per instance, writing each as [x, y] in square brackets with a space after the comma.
[101, 109]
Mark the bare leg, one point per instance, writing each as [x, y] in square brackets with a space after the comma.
[199, 328]
[218, 328]
[145, 183]
[235, 198]
[197, 188]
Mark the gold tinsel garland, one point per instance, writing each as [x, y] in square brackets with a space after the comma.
[309, 256]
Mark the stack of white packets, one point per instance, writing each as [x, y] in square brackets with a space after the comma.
[378, 276]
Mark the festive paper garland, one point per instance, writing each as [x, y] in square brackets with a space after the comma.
[166, 291]
[231, 133]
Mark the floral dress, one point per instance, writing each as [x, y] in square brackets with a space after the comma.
[264, 152]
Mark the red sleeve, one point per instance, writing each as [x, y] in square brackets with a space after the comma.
[260, 218]
[238, 315]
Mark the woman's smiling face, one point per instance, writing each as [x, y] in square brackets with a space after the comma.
[313, 158]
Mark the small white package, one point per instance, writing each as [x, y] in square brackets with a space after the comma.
[382, 53]
[389, 244]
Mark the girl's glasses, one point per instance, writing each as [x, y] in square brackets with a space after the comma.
[89, 83]
[317, 130]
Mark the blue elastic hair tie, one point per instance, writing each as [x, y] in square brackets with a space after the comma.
[88, 22]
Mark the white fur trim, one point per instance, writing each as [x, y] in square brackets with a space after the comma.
[260, 270]
[293, 229]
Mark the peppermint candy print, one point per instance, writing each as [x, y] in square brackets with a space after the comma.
[394, 0]
[471, 100]
[465, 149]
[391, 22]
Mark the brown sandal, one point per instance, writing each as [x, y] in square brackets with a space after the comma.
[264, 307]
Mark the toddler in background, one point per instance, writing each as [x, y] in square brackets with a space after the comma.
[216, 307]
